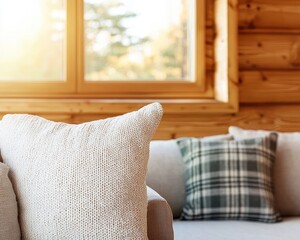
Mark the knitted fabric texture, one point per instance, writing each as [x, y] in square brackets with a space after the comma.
[9, 227]
[83, 181]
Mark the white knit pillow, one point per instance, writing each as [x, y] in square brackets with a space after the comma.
[9, 226]
[83, 181]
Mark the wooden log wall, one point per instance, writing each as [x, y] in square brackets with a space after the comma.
[269, 75]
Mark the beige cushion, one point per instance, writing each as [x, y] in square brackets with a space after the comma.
[159, 217]
[286, 169]
[9, 226]
[83, 181]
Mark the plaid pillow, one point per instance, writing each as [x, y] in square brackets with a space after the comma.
[229, 179]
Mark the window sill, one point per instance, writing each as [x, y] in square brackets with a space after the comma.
[110, 106]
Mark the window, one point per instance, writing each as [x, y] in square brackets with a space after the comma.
[125, 41]
[110, 48]
[152, 49]
[88, 50]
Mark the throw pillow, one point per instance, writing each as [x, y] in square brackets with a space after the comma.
[9, 227]
[83, 181]
[229, 179]
[165, 167]
[286, 172]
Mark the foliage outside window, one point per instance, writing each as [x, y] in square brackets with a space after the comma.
[139, 40]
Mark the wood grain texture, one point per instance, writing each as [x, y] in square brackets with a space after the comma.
[279, 117]
[269, 52]
[111, 106]
[270, 31]
[209, 16]
[269, 14]
[269, 86]
[225, 55]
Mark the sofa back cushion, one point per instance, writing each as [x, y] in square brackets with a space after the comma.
[9, 226]
[286, 172]
[166, 171]
[84, 181]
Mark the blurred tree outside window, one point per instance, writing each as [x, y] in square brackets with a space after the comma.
[139, 40]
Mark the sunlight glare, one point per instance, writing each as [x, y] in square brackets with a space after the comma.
[19, 20]
[32, 40]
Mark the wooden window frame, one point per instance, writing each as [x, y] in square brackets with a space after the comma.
[225, 81]
[150, 89]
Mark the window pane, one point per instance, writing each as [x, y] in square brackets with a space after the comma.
[32, 40]
[139, 40]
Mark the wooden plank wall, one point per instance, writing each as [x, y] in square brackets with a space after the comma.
[269, 75]
[269, 51]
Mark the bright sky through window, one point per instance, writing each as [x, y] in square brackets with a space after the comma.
[12, 31]
[32, 40]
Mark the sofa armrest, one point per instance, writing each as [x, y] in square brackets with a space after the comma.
[159, 217]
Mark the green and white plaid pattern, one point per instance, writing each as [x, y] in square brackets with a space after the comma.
[229, 179]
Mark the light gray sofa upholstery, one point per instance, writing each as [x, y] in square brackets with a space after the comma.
[288, 229]
[166, 176]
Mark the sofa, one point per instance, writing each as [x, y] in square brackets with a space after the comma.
[165, 180]
[166, 176]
